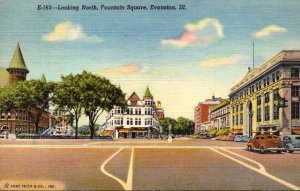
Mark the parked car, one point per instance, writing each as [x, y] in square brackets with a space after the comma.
[238, 138]
[230, 137]
[265, 142]
[245, 138]
[203, 136]
[291, 143]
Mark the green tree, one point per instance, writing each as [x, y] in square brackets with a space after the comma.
[34, 96]
[166, 122]
[184, 125]
[99, 95]
[7, 101]
[84, 130]
[68, 97]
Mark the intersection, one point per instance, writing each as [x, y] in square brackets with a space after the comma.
[144, 165]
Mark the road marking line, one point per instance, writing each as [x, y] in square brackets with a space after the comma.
[129, 182]
[130, 172]
[260, 171]
[261, 167]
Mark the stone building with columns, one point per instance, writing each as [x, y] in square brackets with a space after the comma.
[267, 100]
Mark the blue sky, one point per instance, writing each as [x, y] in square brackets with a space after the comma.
[183, 56]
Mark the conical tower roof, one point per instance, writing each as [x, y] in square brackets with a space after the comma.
[43, 78]
[17, 61]
[148, 93]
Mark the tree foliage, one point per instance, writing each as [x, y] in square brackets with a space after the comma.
[34, 96]
[98, 95]
[184, 125]
[68, 98]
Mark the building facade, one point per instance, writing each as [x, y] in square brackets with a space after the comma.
[220, 115]
[267, 98]
[159, 111]
[139, 120]
[202, 113]
[18, 120]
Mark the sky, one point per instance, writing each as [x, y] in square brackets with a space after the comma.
[184, 56]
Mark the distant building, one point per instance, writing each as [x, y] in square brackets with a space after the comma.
[202, 112]
[267, 98]
[139, 120]
[18, 118]
[220, 115]
[159, 111]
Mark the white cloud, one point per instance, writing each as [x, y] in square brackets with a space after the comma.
[269, 30]
[68, 31]
[202, 33]
[221, 61]
[125, 70]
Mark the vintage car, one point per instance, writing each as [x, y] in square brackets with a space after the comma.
[291, 143]
[265, 142]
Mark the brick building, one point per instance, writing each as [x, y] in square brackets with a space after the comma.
[18, 120]
[202, 112]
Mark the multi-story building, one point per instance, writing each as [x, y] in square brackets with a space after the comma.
[18, 120]
[220, 115]
[202, 112]
[267, 98]
[159, 111]
[139, 119]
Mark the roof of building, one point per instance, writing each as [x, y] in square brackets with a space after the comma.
[4, 76]
[148, 93]
[253, 74]
[43, 78]
[222, 104]
[134, 97]
[17, 60]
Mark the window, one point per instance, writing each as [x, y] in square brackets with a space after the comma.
[275, 94]
[273, 77]
[265, 82]
[258, 115]
[275, 112]
[267, 98]
[295, 72]
[277, 75]
[267, 113]
[268, 80]
[133, 102]
[241, 107]
[241, 118]
[295, 91]
[259, 85]
[258, 100]
[237, 108]
[295, 110]
[232, 120]
[236, 119]
[232, 109]
[137, 121]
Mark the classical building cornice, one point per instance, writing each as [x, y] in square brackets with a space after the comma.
[254, 74]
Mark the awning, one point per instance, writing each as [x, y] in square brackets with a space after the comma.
[139, 131]
[123, 130]
[224, 131]
[107, 132]
[238, 131]
[212, 131]
[296, 131]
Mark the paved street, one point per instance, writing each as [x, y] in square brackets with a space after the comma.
[143, 165]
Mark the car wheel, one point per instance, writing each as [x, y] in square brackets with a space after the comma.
[262, 150]
[249, 148]
[289, 149]
[279, 151]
